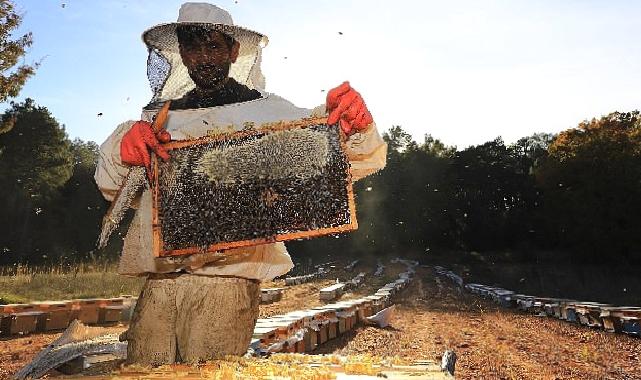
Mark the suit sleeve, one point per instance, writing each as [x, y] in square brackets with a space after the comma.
[366, 150]
[110, 172]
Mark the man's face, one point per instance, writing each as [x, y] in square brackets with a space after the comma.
[207, 56]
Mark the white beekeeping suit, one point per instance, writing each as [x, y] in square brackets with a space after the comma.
[367, 152]
[196, 307]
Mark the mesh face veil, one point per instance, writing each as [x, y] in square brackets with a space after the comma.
[168, 76]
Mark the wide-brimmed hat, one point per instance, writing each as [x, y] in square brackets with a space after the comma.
[163, 36]
[167, 74]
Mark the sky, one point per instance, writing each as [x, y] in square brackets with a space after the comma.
[465, 72]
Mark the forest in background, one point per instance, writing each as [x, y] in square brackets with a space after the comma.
[570, 197]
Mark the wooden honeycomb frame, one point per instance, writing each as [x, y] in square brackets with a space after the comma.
[158, 245]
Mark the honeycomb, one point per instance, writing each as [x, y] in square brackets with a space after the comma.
[258, 185]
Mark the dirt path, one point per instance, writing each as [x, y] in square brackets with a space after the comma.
[433, 316]
[492, 343]
[306, 296]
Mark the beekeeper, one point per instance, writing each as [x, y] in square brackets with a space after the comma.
[197, 307]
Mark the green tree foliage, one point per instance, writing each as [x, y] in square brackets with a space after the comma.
[35, 162]
[416, 205]
[528, 222]
[51, 206]
[486, 190]
[576, 192]
[397, 140]
[495, 200]
[591, 180]
[36, 157]
[81, 205]
[531, 150]
[12, 75]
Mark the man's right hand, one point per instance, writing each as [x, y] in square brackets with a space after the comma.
[137, 143]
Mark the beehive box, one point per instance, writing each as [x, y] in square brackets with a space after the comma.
[285, 327]
[87, 310]
[557, 307]
[524, 302]
[56, 315]
[20, 319]
[364, 309]
[269, 295]
[280, 182]
[631, 325]
[542, 305]
[331, 292]
[568, 312]
[332, 330]
[267, 334]
[110, 313]
[5, 324]
[310, 340]
[294, 322]
[18, 308]
[589, 313]
[378, 303]
[352, 307]
[304, 316]
[326, 312]
[300, 346]
[552, 308]
[323, 333]
[23, 322]
[271, 329]
[504, 297]
[359, 307]
[346, 314]
[620, 319]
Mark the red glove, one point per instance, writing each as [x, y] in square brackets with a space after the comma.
[138, 141]
[346, 104]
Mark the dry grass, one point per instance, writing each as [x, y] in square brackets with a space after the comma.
[92, 280]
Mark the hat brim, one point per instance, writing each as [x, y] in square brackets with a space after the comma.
[163, 36]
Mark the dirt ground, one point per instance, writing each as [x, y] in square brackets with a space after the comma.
[432, 316]
[490, 342]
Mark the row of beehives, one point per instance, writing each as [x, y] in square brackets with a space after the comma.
[302, 331]
[449, 274]
[620, 319]
[349, 267]
[380, 269]
[297, 280]
[57, 315]
[357, 280]
[332, 292]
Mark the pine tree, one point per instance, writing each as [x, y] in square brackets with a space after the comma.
[12, 74]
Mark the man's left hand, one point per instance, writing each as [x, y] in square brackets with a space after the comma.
[345, 105]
